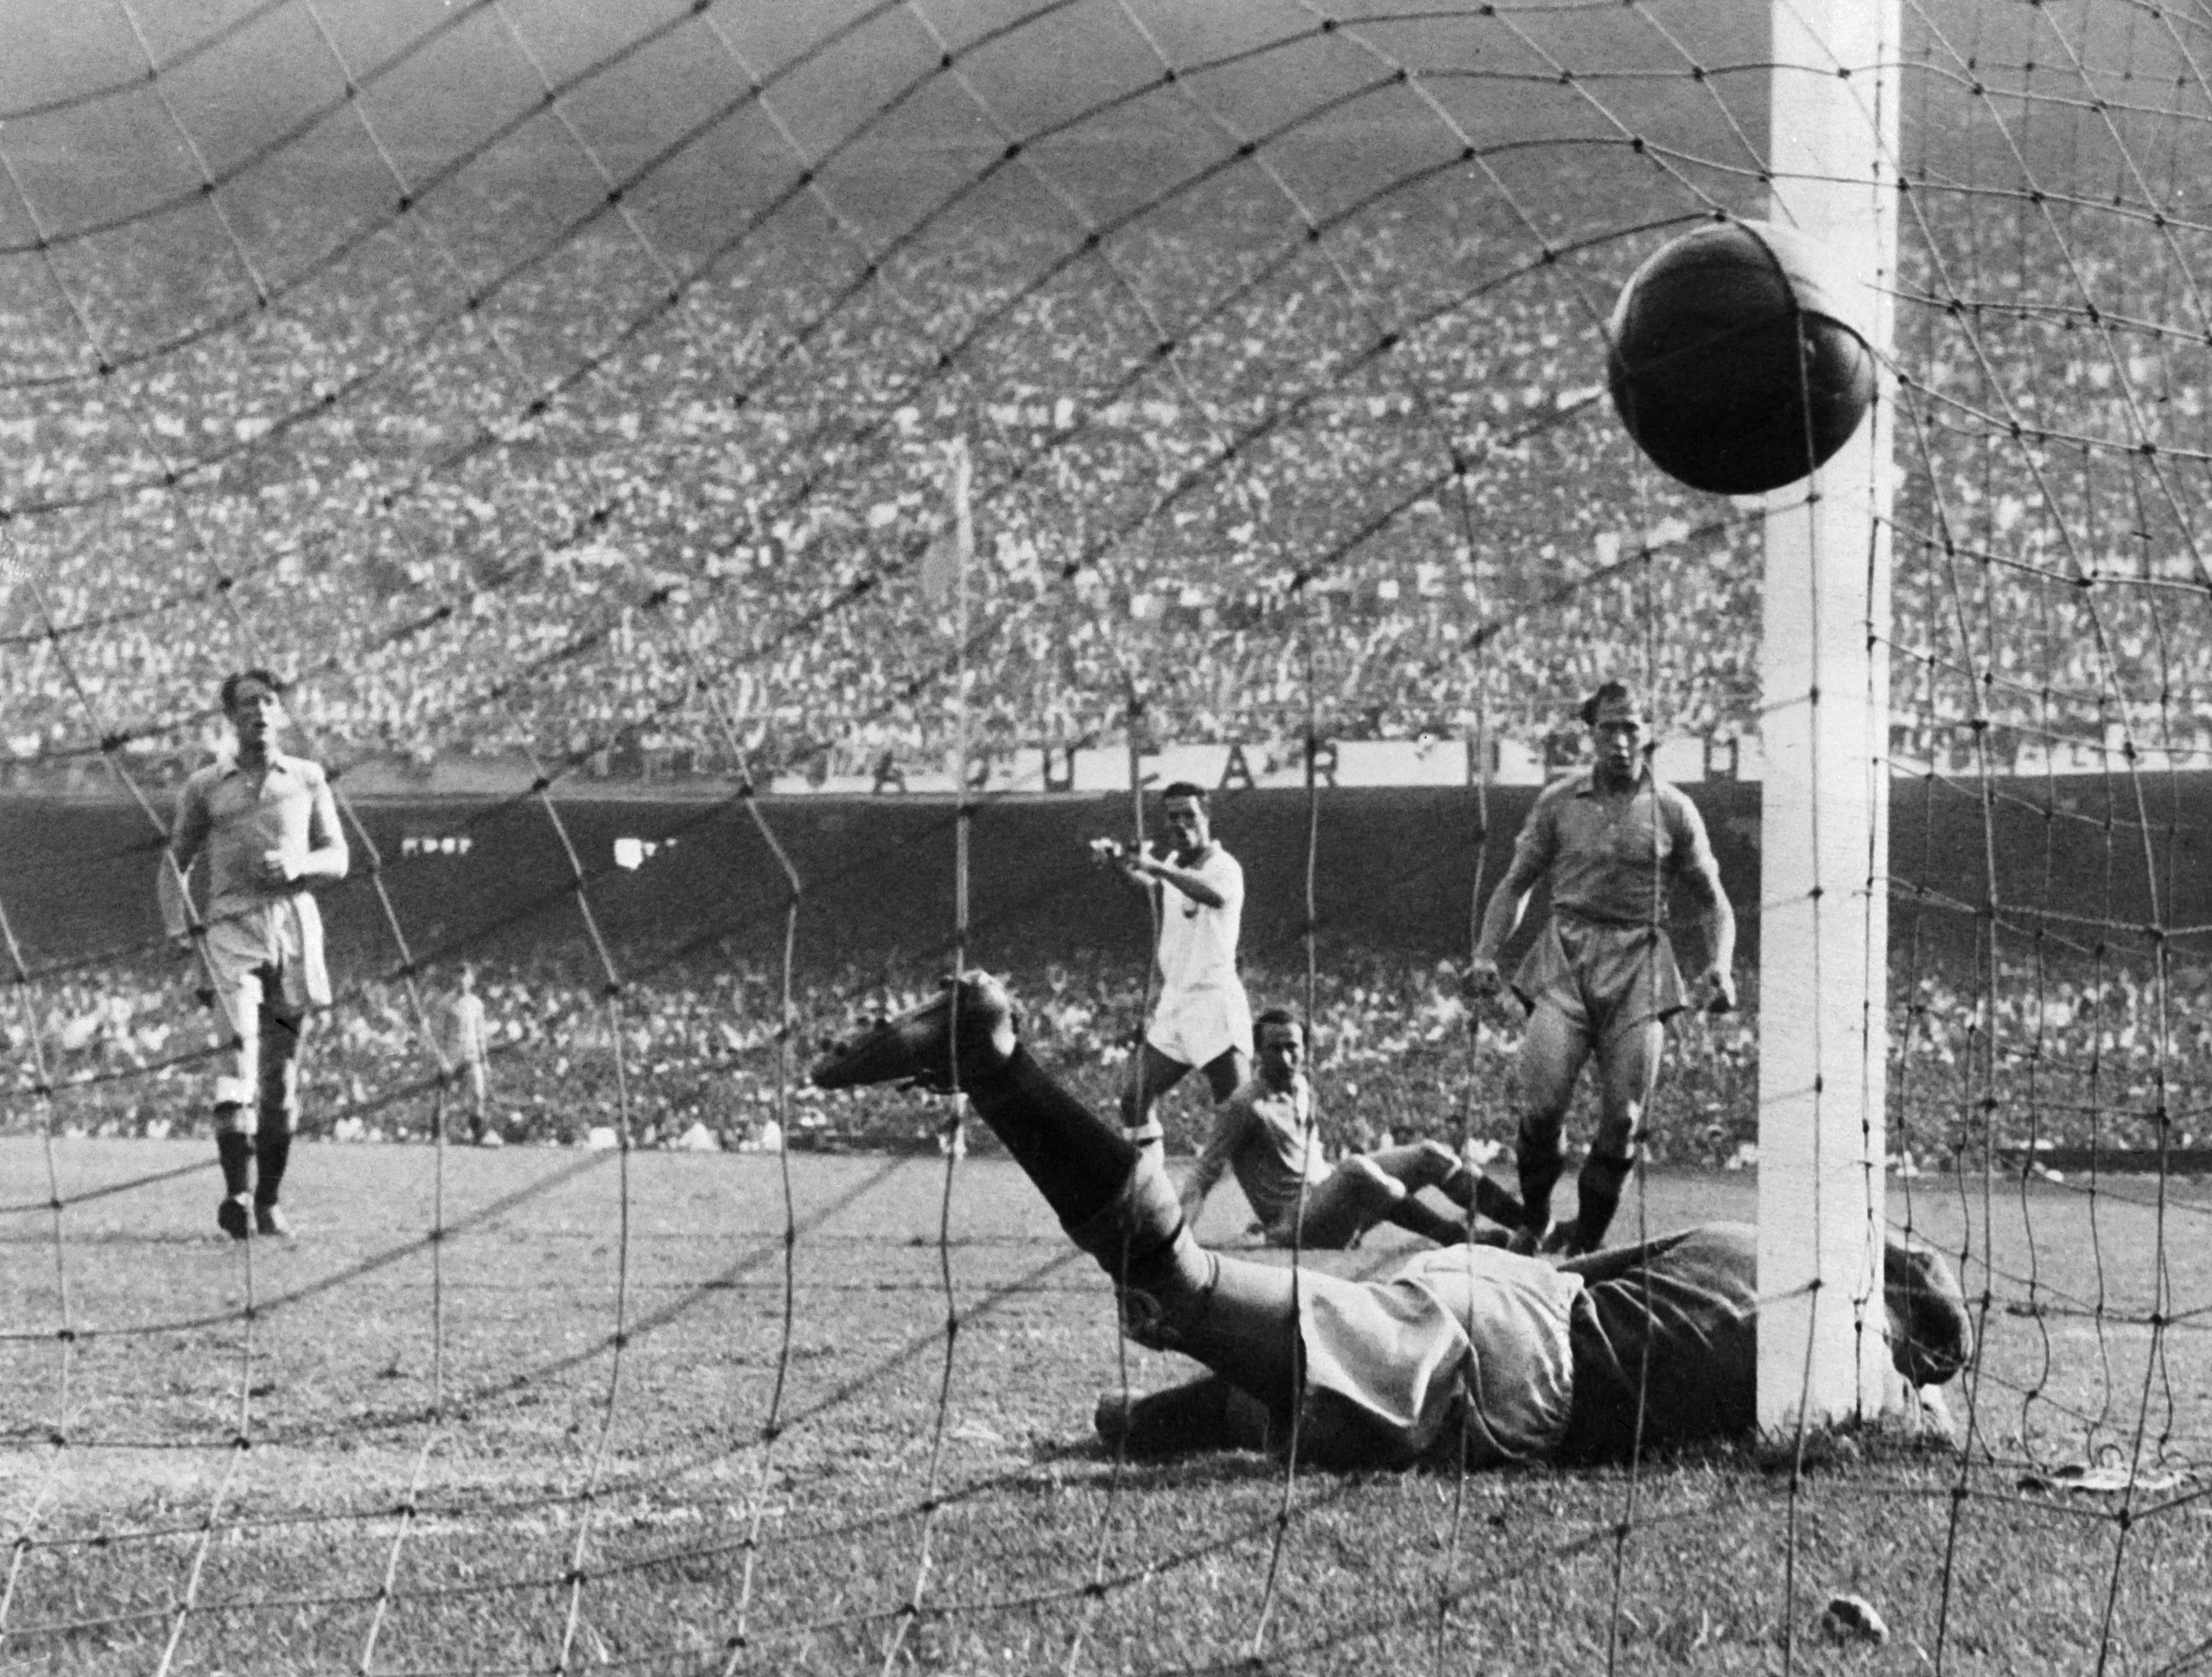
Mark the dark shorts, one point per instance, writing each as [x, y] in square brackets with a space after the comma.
[1665, 1336]
[1605, 979]
[1336, 1216]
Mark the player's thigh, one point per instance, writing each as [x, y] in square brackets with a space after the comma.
[1152, 1073]
[1553, 1049]
[1339, 1207]
[1628, 1069]
[283, 1029]
[240, 999]
[1424, 1164]
[1248, 1332]
[1225, 1073]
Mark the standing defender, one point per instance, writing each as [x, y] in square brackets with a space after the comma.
[1601, 977]
[1202, 1018]
[269, 827]
[470, 1040]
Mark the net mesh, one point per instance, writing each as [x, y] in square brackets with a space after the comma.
[560, 399]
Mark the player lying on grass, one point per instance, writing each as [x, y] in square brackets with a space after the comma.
[1464, 1348]
[1264, 1134]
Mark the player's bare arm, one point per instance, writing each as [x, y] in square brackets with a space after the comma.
[328, 856]
[1191, 885]
[1508, 903]
[1716, 924]
[1150, 873]
[1220, 1148]
[188, 836]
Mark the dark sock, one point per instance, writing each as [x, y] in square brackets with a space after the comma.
[1486, 1196]
[1540, 1164]
[1077, 1159]
[1600, 1185]
[272, 1151]
[235, 1153]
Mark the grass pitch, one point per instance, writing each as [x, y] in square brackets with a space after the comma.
[582, 1430]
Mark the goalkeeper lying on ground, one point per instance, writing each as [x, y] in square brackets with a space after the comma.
[1508, 1357]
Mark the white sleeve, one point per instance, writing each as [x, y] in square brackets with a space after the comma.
[1227, 875]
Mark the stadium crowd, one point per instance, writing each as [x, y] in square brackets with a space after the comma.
[480, 485]
[2085, 1057]
[717, 549]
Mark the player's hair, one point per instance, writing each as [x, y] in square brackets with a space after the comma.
[1612, 692]
[1183, 789]
[1278, 1016]
[238, 678]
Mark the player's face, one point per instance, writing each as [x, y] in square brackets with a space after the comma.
[1282, 1054]
[256, 712]
[1185, 824]
[1617, 736]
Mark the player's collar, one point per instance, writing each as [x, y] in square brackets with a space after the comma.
[226, 763]
[1643, 778]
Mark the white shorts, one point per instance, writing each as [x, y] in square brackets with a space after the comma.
[269, 954]
[1199, 1025]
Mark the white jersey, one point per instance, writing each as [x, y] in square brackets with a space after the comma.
[1198, 943]
[470, 1037]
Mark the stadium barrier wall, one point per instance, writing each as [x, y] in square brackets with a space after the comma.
[1396, 867]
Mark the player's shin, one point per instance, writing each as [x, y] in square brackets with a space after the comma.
[1078, 1160]
[1599, 1187]
[1539, 1154]
[1470, 1190]
[272, 1151]
[233, 1150]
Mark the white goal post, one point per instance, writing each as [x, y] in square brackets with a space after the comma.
[1824, 671]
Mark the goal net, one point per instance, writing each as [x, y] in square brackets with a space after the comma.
[739, 495]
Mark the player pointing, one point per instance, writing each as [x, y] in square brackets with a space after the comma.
[268, 828]
[1202, 1018]
[1601, 977]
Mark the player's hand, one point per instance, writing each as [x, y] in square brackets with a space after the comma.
[1107, 852]
[1482, 981]
[1718, 992]
[274, 870]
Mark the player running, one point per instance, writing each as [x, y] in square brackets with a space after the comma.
[1601, 977]
[1201, 1018]
[269, 827]
[1264, 1134]
[1466, 1354]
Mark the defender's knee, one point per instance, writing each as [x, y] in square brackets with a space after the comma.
[1434, 1163]
[1615, 1160]
[1377, 1188]
[1541, 1137]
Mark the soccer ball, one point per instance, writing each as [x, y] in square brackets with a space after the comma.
[1730, 360]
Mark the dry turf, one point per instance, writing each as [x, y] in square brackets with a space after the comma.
[643, 1413]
